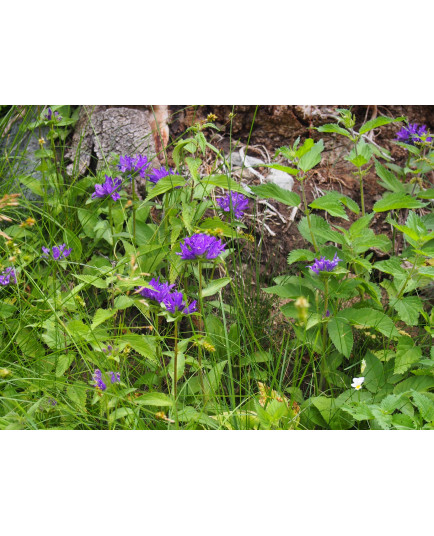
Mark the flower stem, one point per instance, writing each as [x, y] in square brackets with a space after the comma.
[306, 212]
[203, 320]
[175, 373]
[134, 209]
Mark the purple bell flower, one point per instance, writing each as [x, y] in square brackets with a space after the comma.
[115, 377]
[412, 134]
[97, 378]
[324, 265]
[138, 163]
[158, 174]
[49, 115]
[174, 303]
[7, 275]
[58, 252]
[201, 246]
[158, 291]
[110, 187]
[239, 203]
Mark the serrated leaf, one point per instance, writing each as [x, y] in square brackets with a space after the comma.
[215, 286]
[142, 344]
[122, 302]
[334, 128]
[397, 201]
[406, 355]
[273, 191]
[341, 335]
[310, 159]
[63, 363]
[92, 280]
[418, 383]
[320, 229]
[193, 166]
[370, 318]
[101, 315]
[154, 399]
[279, 167]
[424, 405]
[331, 204]
[408, 309]
[165, 185]
[300, 255]
[378, 122]
[389, 181]
[223, 181]
[120, 413]
[426, 194]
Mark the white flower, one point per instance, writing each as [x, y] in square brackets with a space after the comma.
[357, 383]
[363, 366]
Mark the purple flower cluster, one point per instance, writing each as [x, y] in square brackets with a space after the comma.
[324, 265]
[110, 187]
[201, 246]
[238, 203]
[49, 115]
[58, 252]
[115, 377]
[412, 134]
[172, 301]
[138, 163]
[158, 174]
[7, 275]
[158, 291]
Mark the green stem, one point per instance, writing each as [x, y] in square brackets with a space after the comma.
[306, 212]
[134, 210]
[175, 374]
[324, 334]
[203, 320]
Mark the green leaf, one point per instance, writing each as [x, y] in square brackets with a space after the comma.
[397, 201]
[74, 243]
[334, 128]
[341, 335]
[408, 309]
[320, 229]
[378, 122]
[424, 405]
[426, 194]
[33, 184]
[418, 383]
[6, 310]
[193, 165]
[215, 286]
[78, 394]
[300, 255]
[279, 167]
[123, 302]
[370, 318]
[101, 316]
[391, 266]
[165, 185]
[88, 220]
[120, 413]
[389, 181]
[391, 402]
[180, 365]
[92, 280]
[142, 344]
[216, 223]
[311, 158]
[406, 355]
[223, 181]
[273, 191]
[331, 204]
[374, 373]
[154, 399]
[63, 363]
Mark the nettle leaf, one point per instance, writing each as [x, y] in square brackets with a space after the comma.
[370, 318]
[397, 201]
[360, 224]
[361, 156]
[215, 286]
[418, 383]
[92, 280]
[334, 128]
[426, 194]
[305, 148]
[311, 158]
[378, 122]
[391, 266]
[154, 399]
[225, 182]
[300, 255]
[279, 167]
[424, 405]
[331, 204]
[389, 181]
[341, 335]
[165, 185]
[408, 309]
[368, 240]
[145, 345]
[406, 355]
[374, 373]
[321, 230]
[193, 166]
[101, 316]
[273, 191]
